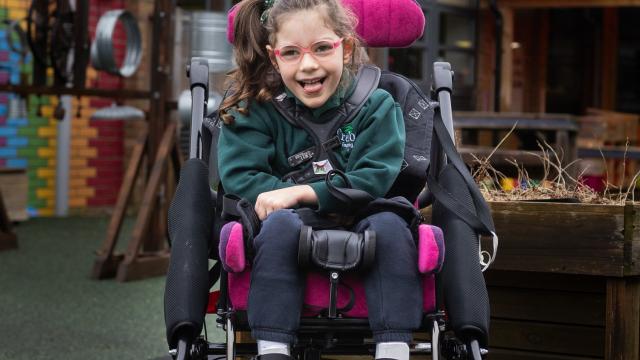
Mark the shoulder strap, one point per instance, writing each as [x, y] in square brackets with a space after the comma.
[480, 217]
[366, 82]
[323, 132]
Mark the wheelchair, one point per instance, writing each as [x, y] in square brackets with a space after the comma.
[455, 299]
[456, 304]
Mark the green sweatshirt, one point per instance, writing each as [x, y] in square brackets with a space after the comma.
[253, 152]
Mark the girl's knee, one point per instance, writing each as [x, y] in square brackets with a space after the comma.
[386, 221]
[284, 219]
[390, 229]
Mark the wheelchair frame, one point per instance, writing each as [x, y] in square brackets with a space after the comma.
[317, 336]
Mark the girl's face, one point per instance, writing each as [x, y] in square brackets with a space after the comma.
[314, 75]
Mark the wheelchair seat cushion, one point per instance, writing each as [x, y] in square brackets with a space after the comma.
[381, 23]
[232, 255]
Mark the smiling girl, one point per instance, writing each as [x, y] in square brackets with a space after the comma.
[307, 51]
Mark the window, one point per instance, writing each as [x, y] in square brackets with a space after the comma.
[450, 36]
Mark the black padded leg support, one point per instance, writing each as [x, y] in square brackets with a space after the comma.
[465, 291]
[190, 229]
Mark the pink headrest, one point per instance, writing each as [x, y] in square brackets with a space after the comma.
[381, 23]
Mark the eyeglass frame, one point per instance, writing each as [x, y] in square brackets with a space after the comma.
[304, 50]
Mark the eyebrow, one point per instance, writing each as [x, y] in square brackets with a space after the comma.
[321, 39]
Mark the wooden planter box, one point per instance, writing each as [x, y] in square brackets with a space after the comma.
[565, 284]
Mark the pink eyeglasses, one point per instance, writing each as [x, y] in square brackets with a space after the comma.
[319, 50]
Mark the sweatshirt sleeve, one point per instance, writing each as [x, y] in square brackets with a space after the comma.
[378, 152]
[245, 151]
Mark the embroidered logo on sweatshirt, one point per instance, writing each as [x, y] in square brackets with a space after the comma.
[347, 137]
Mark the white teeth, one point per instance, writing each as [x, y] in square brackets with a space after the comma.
[311, 81]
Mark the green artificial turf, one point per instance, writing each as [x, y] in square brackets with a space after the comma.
[51, 309]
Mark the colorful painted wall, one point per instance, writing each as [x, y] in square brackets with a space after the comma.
[28, 127]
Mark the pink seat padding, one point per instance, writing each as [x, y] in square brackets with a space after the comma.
[430, 249]
[231, 247]
[381, 23]
[316, 296]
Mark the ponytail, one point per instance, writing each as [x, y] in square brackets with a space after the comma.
[255, 77]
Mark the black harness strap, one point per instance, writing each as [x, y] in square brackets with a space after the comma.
[322, 131]
[480, 217]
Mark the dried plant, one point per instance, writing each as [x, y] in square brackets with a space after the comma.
[557, 182]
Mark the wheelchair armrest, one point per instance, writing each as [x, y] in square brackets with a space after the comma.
[430, 249]
[231, 247]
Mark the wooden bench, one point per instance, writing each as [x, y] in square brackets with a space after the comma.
[478, 134]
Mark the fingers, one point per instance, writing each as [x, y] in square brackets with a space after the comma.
[263, 212]
[264, 207]
[268, 202]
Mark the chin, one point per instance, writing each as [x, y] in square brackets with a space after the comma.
[314, 103]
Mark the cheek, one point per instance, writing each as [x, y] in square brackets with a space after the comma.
[287, 75]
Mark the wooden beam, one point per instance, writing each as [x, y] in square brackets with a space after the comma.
[539, 97]
[609, 58]
[119, 94]
[486, 62]
[148, 212]
[506, 83]
[106, 263]
[566, 3]
[622, 329]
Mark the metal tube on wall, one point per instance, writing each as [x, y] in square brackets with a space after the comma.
[62, 158]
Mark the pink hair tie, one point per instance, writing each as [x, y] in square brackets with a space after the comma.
[381, 23]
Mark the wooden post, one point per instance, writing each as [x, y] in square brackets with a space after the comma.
[147, 254]
[622, 328]
[106, 263]
[506, 83]
[609, 58]
[8, 239]
[161, 57]
[539, 95]
[155, 263]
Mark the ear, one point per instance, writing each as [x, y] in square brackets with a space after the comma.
[272, 57]
[347, 50]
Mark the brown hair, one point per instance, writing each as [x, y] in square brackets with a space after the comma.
[255, 78]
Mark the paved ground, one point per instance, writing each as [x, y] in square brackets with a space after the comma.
[50, 309]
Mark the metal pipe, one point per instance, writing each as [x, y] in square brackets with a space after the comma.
[63, 158]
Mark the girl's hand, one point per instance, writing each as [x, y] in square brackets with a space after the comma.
[286, 198]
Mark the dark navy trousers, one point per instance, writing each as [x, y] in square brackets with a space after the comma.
[393, 285]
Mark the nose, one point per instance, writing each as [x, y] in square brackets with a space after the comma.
[308, 62]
